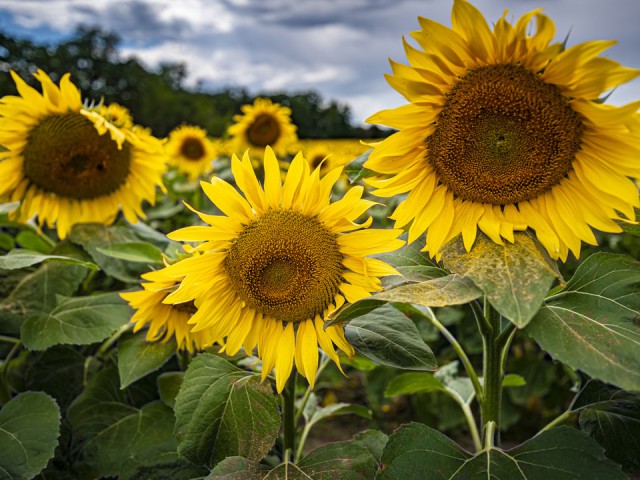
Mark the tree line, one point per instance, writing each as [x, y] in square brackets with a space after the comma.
[158, 98]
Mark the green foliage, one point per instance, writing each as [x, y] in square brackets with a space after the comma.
[77, 321]
[514, 277]
[388, 337]
[140, 252]
[137, 357]
[29, 430]
[221, 412]
[562, 454]
[592, 324]
[437, 292]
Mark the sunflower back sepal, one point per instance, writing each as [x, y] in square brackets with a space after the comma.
[514, 277]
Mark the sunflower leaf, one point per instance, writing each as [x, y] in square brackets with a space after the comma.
[592, 324]
[221, 412]
[438, 292]
[340, 460]
[388, 337]
[612, 418]
[25, 258]
[140, 252]
[355, 169]
[561, 453]
[76, 321]
[29, 430]
[515, 277]
[137, 357]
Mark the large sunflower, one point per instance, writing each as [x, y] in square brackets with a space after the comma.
[504, 131]
[263, 124]
[278, 262]
[165, 321]
[68, 164]
[190, 151]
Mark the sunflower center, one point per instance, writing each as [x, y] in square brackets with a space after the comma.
[286, 265]
[192, 149]
[66, 155]
[317, 160]
[265, 130]
[504, 136]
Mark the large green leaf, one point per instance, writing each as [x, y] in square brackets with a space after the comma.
[388, 337]
[417, 452]
[342, 460]
[414, 265]
[515, 277]
[437, 292]
[169, 384]
[142, 438]
[412, 382]
[592, 324]
[141, 252]
[37, 291]
[30, 240]
[76, 321]
[25, 258]
[29, 430]
[137, 357]
[611, 417]
[93, 237]
[221, 412]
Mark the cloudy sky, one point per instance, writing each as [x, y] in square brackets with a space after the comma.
[337, 47]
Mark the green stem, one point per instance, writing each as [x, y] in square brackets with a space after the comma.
[303, 439]
[557, 421]
[4, 338]
[468, 414]
[5, 394]
[473, 376]
[104, 348]
[492, 373]
[307, 394]
[289, 412]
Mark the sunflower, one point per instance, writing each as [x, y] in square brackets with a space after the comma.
[190, 151]
[331, 153]
[117, 115]
[504, 131]
[69, 164]
[165, 321]
[264, 124]
[278, 262]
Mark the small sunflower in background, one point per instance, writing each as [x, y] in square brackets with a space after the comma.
[278, 262]
[263, 124]
[190, 151]
[165, 321]
[504, 131]
[117, 115]
[68, 164]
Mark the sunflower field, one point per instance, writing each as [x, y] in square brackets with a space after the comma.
[452, 294]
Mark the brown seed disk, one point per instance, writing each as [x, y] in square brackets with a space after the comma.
[504, 136]
[192, 149]
[66, 155]
[265, 130]
[286, 265]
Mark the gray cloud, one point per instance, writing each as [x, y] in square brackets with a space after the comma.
[337, 47]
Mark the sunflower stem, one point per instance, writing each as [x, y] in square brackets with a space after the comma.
[5, 392]
[492, 374]
[307, 394]
[462, 355]
[289, 414]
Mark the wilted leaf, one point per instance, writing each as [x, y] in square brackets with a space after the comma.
[515, 277]
[438, 292]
